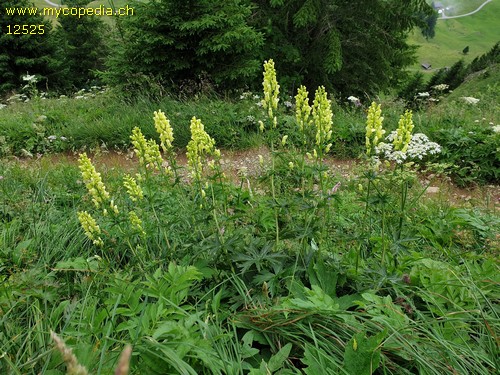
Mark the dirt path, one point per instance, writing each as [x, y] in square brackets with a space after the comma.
[236, 163]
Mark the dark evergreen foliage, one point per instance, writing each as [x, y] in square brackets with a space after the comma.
[350, 46]
[455, 75]
[411, 88]
[483, 61]
[428, 21]
[22, 54]
[80, 48]
[172, 42]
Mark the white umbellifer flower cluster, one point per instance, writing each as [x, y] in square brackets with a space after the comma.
[441, 87]
[30, 78]
[496, 129]
[470, 100]
[419, 147]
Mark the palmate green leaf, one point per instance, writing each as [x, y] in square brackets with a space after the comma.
[317, 300]
[362, 354]
[277, 360]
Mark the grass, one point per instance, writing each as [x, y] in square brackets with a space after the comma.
[209, 290]
[478, 31]
[292, 269]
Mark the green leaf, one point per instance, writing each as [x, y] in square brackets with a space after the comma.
[277, 360]
[362, 354]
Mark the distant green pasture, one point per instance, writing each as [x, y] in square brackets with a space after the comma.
[478, 31]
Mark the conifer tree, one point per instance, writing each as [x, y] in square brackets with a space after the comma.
[172, 41]
[26, 53]
[80, 47]
[353, 47]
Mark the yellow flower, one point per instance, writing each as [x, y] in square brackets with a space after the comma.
[302, 108]
[147, 151]
[322, 116]
[90, 227]
[92, 180]
[133, 189]
[136, 223]
[162, 125]
[374, 130]
[271, 89]
[290, 165]
[283, 140]
[200, 146]
[403, 134]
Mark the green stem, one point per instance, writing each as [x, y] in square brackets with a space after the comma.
[273, 192]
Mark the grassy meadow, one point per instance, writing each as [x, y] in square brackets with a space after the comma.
[478, 31]
[126, 246]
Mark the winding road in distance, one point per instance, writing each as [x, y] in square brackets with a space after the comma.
[445, 17]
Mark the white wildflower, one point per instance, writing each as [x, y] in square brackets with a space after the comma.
[441, 87]
[470, 100]
[29, 78]
[423, 94]
[496, 129]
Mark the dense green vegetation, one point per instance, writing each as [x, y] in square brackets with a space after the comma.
[218, 45]
[478, 31]
[180, 221]
[292, 269]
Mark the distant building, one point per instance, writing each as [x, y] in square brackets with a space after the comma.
[437, 5]
[426, 66]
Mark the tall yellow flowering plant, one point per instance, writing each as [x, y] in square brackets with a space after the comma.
[374, 129]
[199, 148]
[271, 92]
[166, 133]
[322, 116]
[93, 182]
[147, 151]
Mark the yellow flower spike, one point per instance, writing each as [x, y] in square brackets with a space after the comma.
[271, 89]
[153, 156]
[147, 151]
[283, 140]
[92, 180]
[261, 126]
[404, 132]
[164, 129]
[114, 207]
[140, 145]
[90, 227]
[199, 147]
[136, 223]
[302, 108]
[290, 165]
[133, 189]
[322, 116]
[374, 130]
